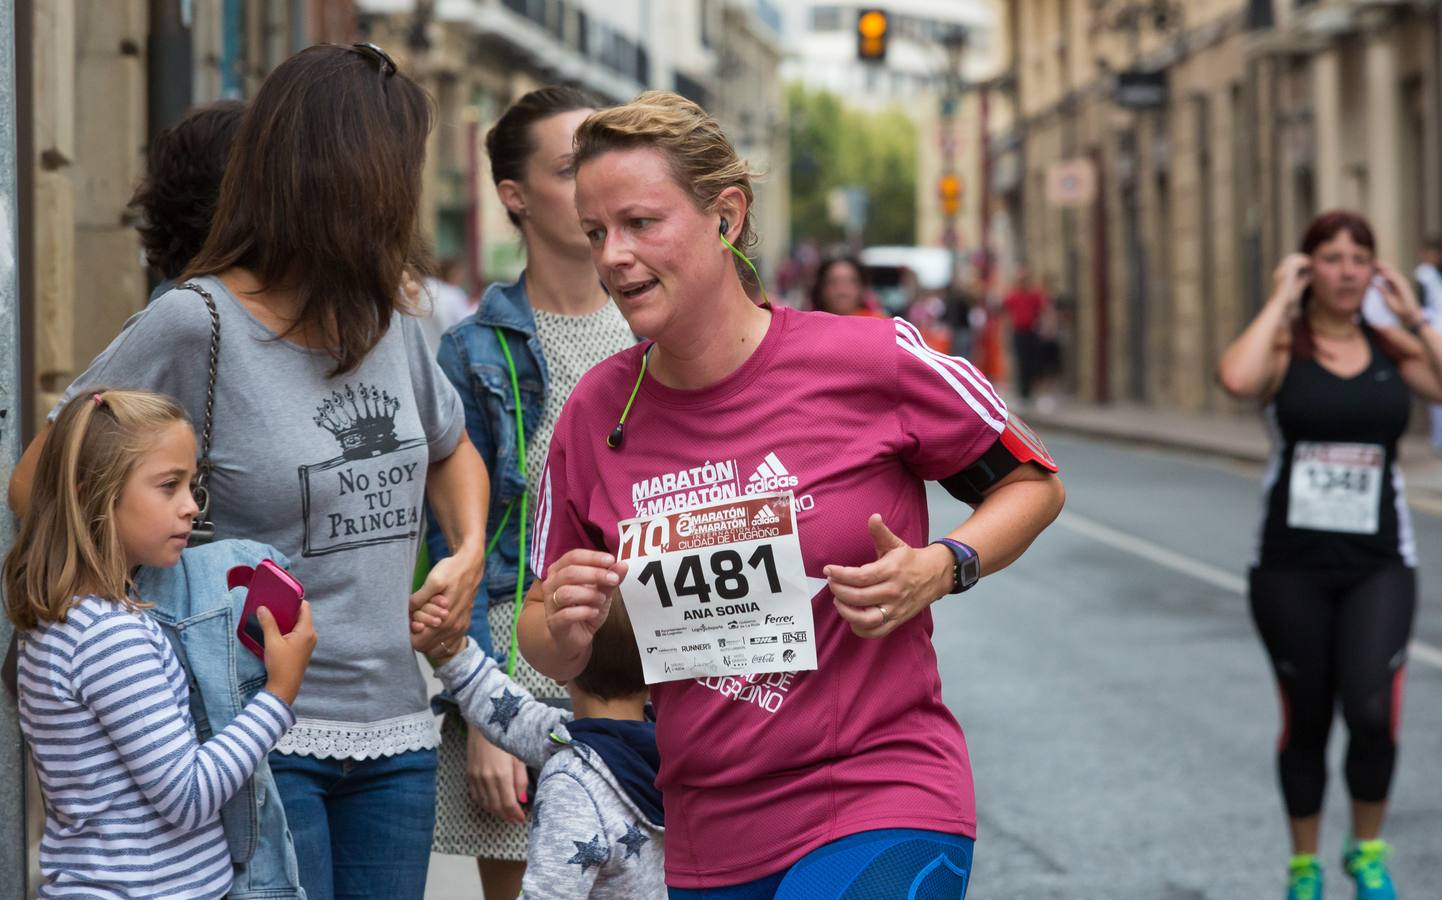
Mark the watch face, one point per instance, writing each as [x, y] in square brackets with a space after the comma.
[970, 572]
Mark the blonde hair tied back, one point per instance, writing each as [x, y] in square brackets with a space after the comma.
[702, 159]
[69, 542]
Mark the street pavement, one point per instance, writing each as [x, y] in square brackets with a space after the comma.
[1120, 712]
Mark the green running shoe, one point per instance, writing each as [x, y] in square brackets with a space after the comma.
[1304, 879]
[1366, 862]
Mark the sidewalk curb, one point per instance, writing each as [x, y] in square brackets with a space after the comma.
[1046, 423]
[1423, 491]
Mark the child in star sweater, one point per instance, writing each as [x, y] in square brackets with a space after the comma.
[596, 823]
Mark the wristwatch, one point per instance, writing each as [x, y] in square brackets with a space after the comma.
[967, 569]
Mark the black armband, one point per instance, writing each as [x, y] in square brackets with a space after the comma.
[1017, 444]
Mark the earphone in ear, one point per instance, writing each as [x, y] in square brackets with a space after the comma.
[725, 227]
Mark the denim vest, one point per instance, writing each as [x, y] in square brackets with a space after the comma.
[199, 615]
[471, 356]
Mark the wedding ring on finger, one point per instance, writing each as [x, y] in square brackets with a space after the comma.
[885, 617]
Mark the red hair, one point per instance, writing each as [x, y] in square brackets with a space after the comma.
[1323, 229]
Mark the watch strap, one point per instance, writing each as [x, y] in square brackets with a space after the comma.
[966, 570]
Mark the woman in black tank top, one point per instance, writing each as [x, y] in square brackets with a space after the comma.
[1333, 590]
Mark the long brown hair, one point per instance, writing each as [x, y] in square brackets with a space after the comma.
[1321, 230]
[322, 194]
[69, 540]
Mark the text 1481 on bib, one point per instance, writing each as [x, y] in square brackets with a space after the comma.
[718, 589]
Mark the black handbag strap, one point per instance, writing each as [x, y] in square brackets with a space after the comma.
[203, 529]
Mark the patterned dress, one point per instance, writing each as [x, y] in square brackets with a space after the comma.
[571, 345]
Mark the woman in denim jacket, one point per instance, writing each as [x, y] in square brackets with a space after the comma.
[550, 327]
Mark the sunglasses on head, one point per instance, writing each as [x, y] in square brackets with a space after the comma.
[388, 66]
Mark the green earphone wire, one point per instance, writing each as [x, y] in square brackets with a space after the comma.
[750, 265]
[521, 461]
[525, 497]
[635, 389]
[645, 357]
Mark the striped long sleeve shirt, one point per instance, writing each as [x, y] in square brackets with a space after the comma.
[132, 798]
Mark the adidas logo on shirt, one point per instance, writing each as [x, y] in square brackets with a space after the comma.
[765, 517]
[771, 475]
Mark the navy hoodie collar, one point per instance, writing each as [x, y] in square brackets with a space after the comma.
[628, 748]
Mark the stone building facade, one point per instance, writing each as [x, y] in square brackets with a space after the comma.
[107, 74]
[1211, 132]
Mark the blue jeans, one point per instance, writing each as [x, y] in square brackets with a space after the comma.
[362, 827]
[901, 863]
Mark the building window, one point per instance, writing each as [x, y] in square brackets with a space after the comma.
[556, 18]
[691, 89]
[826, 18]
[769, 15]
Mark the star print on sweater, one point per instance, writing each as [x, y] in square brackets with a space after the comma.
[504, 707]
[590, 853]
[576, 793]
[634, 840]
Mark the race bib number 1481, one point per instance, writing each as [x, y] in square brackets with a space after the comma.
[718, 589]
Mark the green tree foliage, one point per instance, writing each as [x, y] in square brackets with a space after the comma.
[832, 146]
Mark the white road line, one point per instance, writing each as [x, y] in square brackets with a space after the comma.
[1420, 651]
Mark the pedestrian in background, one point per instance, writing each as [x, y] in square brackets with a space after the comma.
[332, 424]
[176, 197]
[840, 289]
[1428, 276]
[441, 301]
[514, 364]
[1333, 588]
[961, 300]
[1026, 305]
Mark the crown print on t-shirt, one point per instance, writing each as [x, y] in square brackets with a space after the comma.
[363, 422]
[371, 493]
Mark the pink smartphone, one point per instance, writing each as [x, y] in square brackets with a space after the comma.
[274, 588]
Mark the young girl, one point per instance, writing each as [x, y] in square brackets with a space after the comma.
[132, 799]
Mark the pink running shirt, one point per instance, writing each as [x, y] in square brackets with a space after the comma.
[855, 414]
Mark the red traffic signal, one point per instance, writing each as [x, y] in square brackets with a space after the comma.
[873, 27]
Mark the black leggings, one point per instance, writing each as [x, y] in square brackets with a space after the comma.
[1336, 634]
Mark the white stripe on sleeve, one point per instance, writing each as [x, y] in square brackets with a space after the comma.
[960, 366]
[986, 415]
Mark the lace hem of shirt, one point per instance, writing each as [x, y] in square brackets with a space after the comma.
[322, 739]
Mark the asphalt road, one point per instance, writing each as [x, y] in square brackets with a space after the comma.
[1120, 712]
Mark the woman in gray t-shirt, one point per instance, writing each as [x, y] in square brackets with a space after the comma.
[332, 428]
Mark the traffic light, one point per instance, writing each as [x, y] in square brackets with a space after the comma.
[950, 190]
[872, 29]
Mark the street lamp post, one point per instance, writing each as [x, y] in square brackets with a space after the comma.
[954, 43]
[12, 768]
